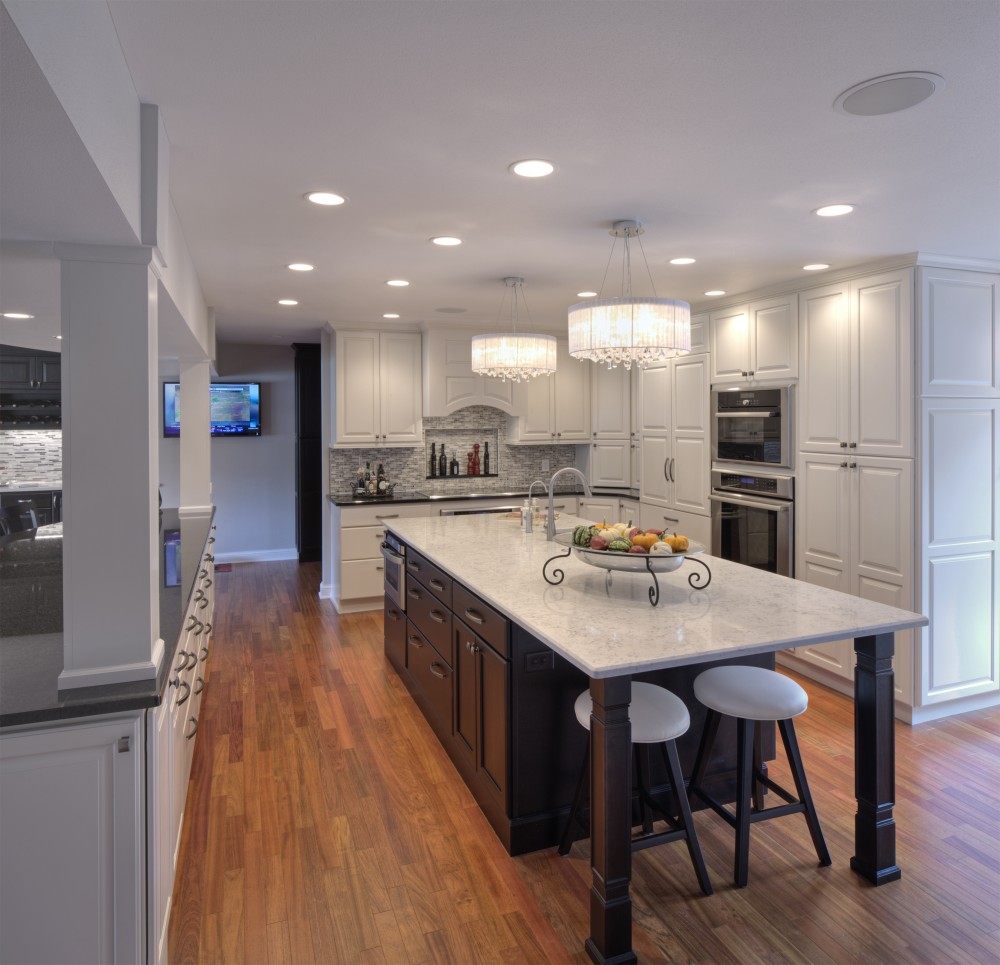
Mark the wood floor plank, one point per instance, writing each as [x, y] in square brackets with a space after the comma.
[325, 823]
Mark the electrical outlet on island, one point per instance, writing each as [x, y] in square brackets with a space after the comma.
[545, 465]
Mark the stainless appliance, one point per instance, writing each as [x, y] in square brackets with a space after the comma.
[752, 519]
[753, 426]
[394, 554]
[473, 510]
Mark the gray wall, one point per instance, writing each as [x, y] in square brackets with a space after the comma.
[253, 479]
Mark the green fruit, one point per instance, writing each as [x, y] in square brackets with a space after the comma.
[619, 546]
[581, 536]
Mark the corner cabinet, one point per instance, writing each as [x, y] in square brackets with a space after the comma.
[756, 342]
[378, 389]
[554, 409]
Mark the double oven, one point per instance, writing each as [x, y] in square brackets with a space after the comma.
[752, 483]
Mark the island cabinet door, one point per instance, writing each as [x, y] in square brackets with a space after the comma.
[481, 718]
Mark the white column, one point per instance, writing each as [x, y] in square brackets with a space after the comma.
[111, 544]
[196, 449]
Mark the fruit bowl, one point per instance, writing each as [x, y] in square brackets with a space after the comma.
[629, 562]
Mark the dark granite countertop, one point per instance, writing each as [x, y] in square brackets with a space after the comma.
[31, 661]
[348, 499]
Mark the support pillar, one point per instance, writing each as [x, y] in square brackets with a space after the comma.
[195, 441]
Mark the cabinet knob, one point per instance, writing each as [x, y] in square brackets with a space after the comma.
[843, 465]
[854, 465]
[852, 445]
[843, 445]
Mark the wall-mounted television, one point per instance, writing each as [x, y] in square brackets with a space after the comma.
[234, 408]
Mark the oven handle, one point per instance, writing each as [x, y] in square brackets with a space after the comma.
[755, 414]
[391, 556]
[771, 505]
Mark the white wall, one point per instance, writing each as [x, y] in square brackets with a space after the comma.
[253, 479]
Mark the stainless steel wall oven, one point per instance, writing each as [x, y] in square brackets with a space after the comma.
[752, 519]
[394, 554]
[753, 426]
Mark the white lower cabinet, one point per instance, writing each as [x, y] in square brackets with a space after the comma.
[854, 533]
[691, 525]
[599, 509]
[608, 463]
[72, 842]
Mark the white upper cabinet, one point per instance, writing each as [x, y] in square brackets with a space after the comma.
[756, 342]
[699, 333]
[610, 402]
[449, 382]
[856, 360]
[959, 337]
[654, 399]
[377, 392]
[556, 408]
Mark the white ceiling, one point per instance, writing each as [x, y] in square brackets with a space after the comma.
[712, 122]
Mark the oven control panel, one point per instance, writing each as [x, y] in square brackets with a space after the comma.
[763, 484]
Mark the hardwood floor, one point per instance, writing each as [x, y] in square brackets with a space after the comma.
[324, 823]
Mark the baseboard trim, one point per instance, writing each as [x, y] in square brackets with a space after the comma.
[258, 556]
[326, 591]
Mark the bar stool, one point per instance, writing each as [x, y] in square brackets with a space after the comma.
[657, 717]
[752, 695]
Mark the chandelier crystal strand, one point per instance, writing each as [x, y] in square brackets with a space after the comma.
[629, 330]
[513, 355]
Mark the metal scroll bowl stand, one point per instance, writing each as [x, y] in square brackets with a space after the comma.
[630, 563]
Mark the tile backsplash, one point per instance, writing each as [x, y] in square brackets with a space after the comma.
[516, 466]
[31, 454]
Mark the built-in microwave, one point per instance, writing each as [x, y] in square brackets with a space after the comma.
[753, 426]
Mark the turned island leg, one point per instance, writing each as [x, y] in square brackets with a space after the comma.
[874, 760]
[610, 941]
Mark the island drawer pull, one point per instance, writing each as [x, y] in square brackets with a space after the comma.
[204, 654]
[198, 594]
[439, 673]
[436, 585]
[203, 573]
[191, 625]
[207, 581]
[183, 654]
[415, 641]
[437, 616]
[475, 616]
[410, 565]
[203, 603]
[192, 720]
[393, 614]
[413, 593]
[389, 516]
[187, 692]
[194, 660]
[197, 689]
[471, 647]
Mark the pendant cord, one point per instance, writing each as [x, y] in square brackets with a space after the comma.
[646, 263]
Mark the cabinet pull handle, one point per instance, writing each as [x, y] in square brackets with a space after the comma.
[437, 616]
[439, 673]
[392, 614]
[560, 507]
[379, 568]
[852, 445]
[204, 654]
[853, 465]
[475, 616]
[436, 585]
[415, 641]
[665, 475]
[415, 594]
[389, 516]
[198, 594]
[191, 625]
[415, 567]
[194, 660]
[124, 745]
[184, 659]
[380, 534]
[672, 461]
[192, 720]
[207, 581]
[187, 692]
[843, 465]
[843, 445]
[197, 689]
[203, 573]
[208, 627]
[203, 603]
[670, 519]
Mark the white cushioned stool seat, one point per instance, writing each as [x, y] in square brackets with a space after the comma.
[655, 714]
[752, 693]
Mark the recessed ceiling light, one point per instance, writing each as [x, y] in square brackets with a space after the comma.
[819, 266]
[532, 168]
[446, 241]
[834, 210]
[714, 292]
[682, 261]
[58, 337]
[324, 197]
[18, 315]
[398, 282]
[586, 294]
[390, 315]
[287, 301]
[301, 266]
[889, 93]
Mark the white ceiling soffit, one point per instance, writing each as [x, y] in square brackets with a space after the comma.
[713, 123]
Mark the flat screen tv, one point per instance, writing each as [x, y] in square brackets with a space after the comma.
[234, 408]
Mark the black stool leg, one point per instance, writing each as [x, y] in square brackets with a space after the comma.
[642, 768]
[791, 743]
[567, 839]
[712, 721]
[686, 819]
[744, 783]
[758, 767]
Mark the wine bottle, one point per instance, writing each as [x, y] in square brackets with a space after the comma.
[434, 460]
[486, 458]
[454, 466]
[381, 484]
[442, 463]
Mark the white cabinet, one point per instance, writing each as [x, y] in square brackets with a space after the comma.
[959, 340]
[610, 402]
[556, 408]
[357, 563]
[691, 525]
[71, 842]
[612, 458]
[756, 342]
[675, 437]
[599, 509]
[377, 391]
[450, 384]
[854, 533]
[959, 582]
[608, 464]
[856, 363]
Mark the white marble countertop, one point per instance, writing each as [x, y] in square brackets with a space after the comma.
[30, 486]
[609, 631]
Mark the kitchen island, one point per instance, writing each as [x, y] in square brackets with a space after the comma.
[610, 632]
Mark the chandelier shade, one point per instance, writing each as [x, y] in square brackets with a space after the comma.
[514, 355]
[630, 331]
[633, 329]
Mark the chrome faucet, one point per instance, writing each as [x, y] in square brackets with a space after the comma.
[550, 522]
[529, 519]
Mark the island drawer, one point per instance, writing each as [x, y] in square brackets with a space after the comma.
[430, 616]
[433, 675]
[432, 577]
[482, 618]
[395, 634]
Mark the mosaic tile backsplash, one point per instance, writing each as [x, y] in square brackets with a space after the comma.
[31, 454]
[515, 466]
